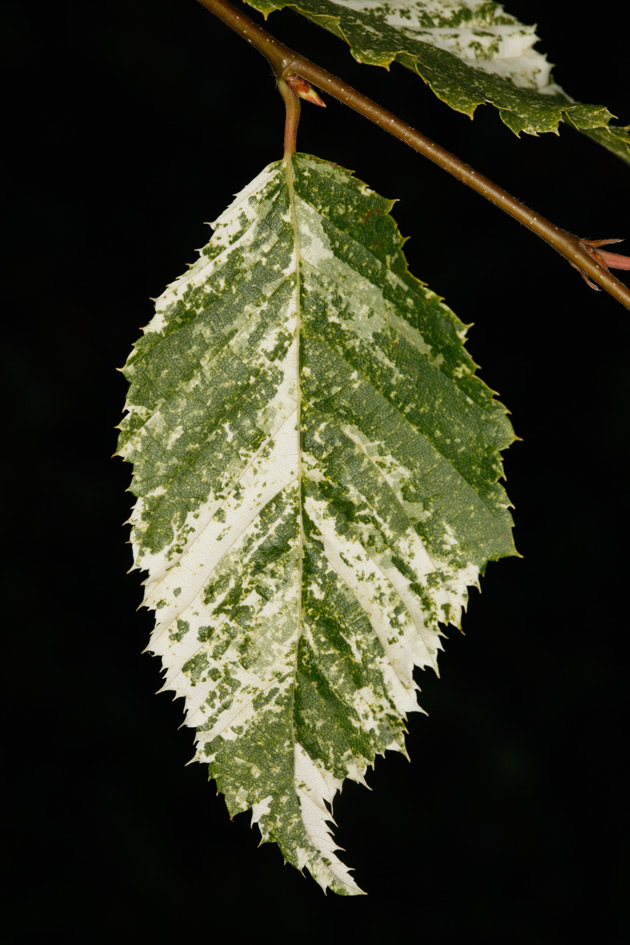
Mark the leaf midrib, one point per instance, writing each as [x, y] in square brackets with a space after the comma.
[288, 160]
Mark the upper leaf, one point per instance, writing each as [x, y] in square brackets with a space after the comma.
[317, 467]
[469, 52]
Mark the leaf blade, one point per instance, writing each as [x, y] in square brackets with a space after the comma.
[469, 52]
[316, 465]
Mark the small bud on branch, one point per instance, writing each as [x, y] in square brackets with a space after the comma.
[302, 89]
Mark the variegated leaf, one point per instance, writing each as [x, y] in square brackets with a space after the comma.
[316, 466]
[469, 52]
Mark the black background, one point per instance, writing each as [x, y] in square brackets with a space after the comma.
[129, 125]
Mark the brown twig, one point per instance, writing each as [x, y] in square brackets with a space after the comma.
[285, 61]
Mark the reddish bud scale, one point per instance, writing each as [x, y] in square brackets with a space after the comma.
[302, 89]
[604, 258]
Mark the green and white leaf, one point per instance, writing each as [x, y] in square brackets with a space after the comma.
[316, 466]
[469, 52]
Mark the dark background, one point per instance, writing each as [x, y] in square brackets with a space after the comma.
[129, 125]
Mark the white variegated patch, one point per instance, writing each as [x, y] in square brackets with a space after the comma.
[477, 32]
